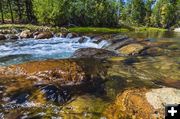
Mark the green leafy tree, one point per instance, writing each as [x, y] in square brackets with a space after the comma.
[148, 10]
[165, 13]
[135, 12]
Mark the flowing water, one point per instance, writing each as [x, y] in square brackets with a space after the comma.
[123, 72]
[23, 50]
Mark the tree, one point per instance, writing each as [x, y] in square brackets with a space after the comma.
[148, 9]
[19, 4]
[11, 11]
[165, 13]
[138, 11]
[134, 12]
[29, 11]
[2, 14]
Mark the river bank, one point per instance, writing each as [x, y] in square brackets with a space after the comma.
[82, 29]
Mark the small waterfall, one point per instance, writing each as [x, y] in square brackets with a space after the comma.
[103, 43]
[55, 48]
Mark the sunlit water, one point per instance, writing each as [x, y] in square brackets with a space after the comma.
[140, 71]
[22, 50]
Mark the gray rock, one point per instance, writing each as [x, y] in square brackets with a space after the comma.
[43, 35]
[93, 53]
[12, 36]
[118, 38]
[72, 35]
[160, 97]
[177, 29]
[119, 43]
[26, 34]
[153, 51]
[2, 37]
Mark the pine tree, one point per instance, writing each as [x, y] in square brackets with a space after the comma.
[2, 12]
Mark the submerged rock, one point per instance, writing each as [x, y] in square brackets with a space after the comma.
[164, 66]
[161, 43]
[2, 37]
[116, 44]
[62, 73]
[153, 51]
[51, 81]
[131, 49]
[130, 104]
[93, 53]
[43, 35]
[26, 34]
[118, 38]
[86, 104]
[58, 70]
[168, 83]
[142, 103]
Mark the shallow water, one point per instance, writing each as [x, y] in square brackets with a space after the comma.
[20, 98]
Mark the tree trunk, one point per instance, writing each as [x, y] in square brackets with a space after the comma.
[2, 14]
[29, 11]
[19, 10]
[12, 17]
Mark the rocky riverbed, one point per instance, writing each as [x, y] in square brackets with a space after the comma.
[107, 76]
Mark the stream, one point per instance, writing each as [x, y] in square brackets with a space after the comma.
[24, 98]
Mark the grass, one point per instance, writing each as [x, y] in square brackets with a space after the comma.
[153, 29]
[97, 30]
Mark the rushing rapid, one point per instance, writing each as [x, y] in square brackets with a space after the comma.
[22, 50]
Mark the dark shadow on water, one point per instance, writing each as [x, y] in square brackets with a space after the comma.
[131, 60]
[14, 59]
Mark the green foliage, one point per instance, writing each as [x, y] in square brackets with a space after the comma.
[109, 13]
[148, 9]
[76, 12]
[165, 13]
[46, 10]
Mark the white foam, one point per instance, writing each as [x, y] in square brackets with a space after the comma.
[54, 48]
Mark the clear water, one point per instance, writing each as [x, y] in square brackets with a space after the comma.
[22, 50]
[123, 73]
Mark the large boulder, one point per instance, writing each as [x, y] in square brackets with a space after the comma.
[2, 37]
[26, 34]
[163, 96]
[63, 72]
[177, 29]
[93, 53]
[131, 49]
[43, 35]
[54, 80]
[130, 104]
